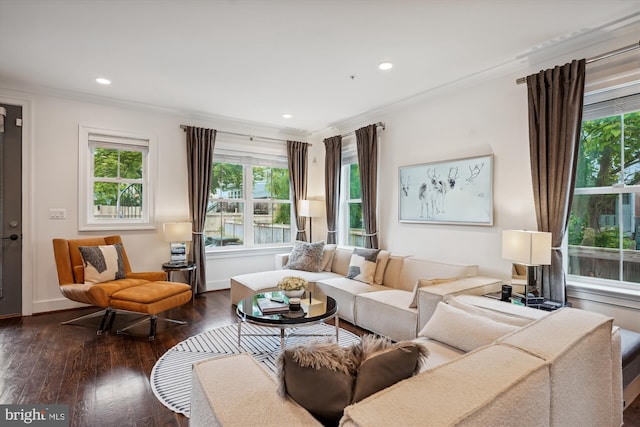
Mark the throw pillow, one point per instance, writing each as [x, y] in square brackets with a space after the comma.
[462, 330]
[382, 363]
[362, 266]
[319, 377]
[426, 282]
[102, 263]
[381, 265]
[305, 256]
[327, 257]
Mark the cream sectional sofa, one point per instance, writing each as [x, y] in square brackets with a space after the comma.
[382, 307]
[558, 369]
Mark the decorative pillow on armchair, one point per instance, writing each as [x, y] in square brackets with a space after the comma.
[362, 266]
[102, 263]
[305, 256]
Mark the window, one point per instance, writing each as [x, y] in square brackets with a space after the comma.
[352, 222]
[115, 180]
[604, 225]
[240, 214]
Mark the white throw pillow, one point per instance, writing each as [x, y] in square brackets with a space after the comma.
[362, 266]
[486, 312]
[102, 263]
[426, 282]
[462, 330]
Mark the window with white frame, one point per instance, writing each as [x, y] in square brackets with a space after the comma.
[250, 199]
[604, 225]
[351, 223]
[115, 180]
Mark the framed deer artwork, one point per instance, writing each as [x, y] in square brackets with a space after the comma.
[458, 191]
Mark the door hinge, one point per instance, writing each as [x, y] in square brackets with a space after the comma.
[19, 123]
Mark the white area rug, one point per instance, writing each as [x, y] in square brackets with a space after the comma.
[171, 375]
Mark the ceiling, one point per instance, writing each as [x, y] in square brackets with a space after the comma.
[257, 59]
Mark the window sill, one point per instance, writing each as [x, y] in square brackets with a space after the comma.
[227, 252]
[619, 296]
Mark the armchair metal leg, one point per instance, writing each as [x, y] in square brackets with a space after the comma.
[153, 321]
[104, 313]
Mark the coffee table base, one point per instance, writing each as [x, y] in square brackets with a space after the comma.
[282, 328]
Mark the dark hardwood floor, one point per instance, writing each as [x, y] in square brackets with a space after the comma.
[105, 378]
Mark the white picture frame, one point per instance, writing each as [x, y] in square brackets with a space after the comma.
[457, 191]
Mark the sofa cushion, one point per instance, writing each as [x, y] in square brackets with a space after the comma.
[386, 312]
[426, 282]
[417, 268]
[382, 363]
[319, 377]
[463, 330]
[456, 302]
[344, 291]
[305, 256]
[102, 263]
[362, 266]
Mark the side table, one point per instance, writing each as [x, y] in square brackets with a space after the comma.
[189, 267]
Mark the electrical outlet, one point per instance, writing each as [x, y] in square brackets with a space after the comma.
[57, 213]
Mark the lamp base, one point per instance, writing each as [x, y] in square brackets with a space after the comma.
[178, 252]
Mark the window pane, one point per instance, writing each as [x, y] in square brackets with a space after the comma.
[226, 181]
[270, 183]
[599, 158]
[224, 225]
[600, 236]
[356, 227]
[105, 163]
[131, 164]
[112, 200]
[354, 181]
[271, 222]
[632, 148]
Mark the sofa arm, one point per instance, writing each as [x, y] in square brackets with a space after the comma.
[429, 296]
[224, 392]
[281, 260]
[152, 276]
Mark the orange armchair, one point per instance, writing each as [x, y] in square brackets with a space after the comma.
[146, 292]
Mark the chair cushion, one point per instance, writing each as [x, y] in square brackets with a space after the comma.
[102, 263]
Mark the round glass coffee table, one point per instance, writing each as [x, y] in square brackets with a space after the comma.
[311, 313]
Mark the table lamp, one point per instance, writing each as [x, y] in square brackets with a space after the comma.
[529, 248]
[178, 233]
[310, 209]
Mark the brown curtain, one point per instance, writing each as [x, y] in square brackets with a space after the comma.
[367, 145]
[555, 116]
[297, 159]
[200, 144]
[332, 172]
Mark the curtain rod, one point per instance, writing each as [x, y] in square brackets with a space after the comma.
[252, 137]
[245, 135]
[353, 133]
[605, 55]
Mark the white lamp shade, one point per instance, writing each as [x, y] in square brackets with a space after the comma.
[177, 231]
[527, 247]
[310, 208]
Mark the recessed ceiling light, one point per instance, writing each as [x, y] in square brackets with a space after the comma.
[385, 65]
[103, 81]
[286, 116]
